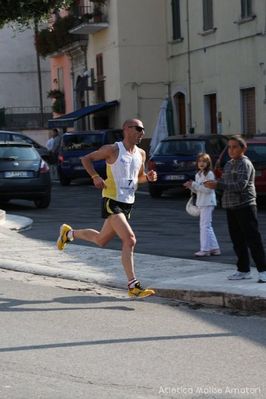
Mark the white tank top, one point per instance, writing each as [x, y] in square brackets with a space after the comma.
[122, 175]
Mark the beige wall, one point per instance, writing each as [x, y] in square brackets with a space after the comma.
[134, 57]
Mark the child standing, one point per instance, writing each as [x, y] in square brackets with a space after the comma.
[206, 201]
[239, 200]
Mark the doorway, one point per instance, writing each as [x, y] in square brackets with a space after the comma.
[180, 108]
[210, 110]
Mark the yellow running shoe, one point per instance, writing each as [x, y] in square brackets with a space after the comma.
[139, 292]
[62, 239]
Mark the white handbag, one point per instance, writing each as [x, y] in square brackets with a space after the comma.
[192, 209]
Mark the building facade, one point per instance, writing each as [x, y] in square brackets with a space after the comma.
[217, 65]
[207, 57]
[23, 83]
[126, 60]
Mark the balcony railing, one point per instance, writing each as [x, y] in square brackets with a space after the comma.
[24, 117]
[90, 18]
[57, 38]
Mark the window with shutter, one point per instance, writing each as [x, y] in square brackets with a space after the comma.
[246, 8]
[176, 19]
[99, 84]
[248, 111]
[207, 14]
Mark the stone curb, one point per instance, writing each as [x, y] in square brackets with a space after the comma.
[218, 299]
[236, 302]
[2, 216]
[17, 223]
[49, 272]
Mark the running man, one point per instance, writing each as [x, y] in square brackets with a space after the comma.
[125, 169]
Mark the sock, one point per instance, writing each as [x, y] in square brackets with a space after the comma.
[132, 283]
[70, 235]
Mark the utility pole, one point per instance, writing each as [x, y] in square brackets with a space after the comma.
[189, 72]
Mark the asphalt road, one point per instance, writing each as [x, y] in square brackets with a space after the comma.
[161, 225]
[58, 342]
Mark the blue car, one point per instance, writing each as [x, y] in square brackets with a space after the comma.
[174, 159]
[75, 145]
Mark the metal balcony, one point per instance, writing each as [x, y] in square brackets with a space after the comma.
[90, 19]
[25, 117]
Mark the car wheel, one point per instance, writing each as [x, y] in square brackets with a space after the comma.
[65, 181]
[43, 202]
[155, 192]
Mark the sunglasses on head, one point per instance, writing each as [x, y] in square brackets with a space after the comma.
[138, 128]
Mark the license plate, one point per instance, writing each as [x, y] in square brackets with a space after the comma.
[16, 174]
[175, 177]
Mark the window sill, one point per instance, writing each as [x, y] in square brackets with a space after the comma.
[174, 41]
[208, 32]
[244, 20]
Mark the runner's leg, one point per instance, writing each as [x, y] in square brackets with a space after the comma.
[100, 238]
[122, 228]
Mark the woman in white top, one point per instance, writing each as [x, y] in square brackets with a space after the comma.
[206, 201]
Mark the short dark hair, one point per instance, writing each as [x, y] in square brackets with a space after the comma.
[240, 140]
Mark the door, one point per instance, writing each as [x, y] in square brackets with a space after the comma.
[180, 105]
[210, 113]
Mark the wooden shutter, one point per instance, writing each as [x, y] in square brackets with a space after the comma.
[176, 19]
[207, 14]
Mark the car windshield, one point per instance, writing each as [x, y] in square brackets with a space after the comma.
[256, 152]
[180, 147]
[18, 153]
[82, 141]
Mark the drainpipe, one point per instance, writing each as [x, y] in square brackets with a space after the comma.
[39, 73]
[87, 91]
[189, 71]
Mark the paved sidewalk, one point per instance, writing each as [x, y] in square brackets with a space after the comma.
[187, 280]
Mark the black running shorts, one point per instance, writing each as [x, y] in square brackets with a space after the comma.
[112, 207]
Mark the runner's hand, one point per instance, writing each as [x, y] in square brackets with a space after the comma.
[99, 182]
[151, 175]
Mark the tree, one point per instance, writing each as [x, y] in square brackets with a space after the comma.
[24, 12]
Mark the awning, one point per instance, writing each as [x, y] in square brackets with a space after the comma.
[69, 119]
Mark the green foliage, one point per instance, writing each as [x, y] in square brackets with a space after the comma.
[51, 39]
[58, 105]
[24, 12]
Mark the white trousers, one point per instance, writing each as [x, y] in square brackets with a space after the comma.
[208, 239]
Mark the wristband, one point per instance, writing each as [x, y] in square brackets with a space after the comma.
[94, 176]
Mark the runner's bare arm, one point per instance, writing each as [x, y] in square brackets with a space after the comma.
[149, 176]
[107, 153]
